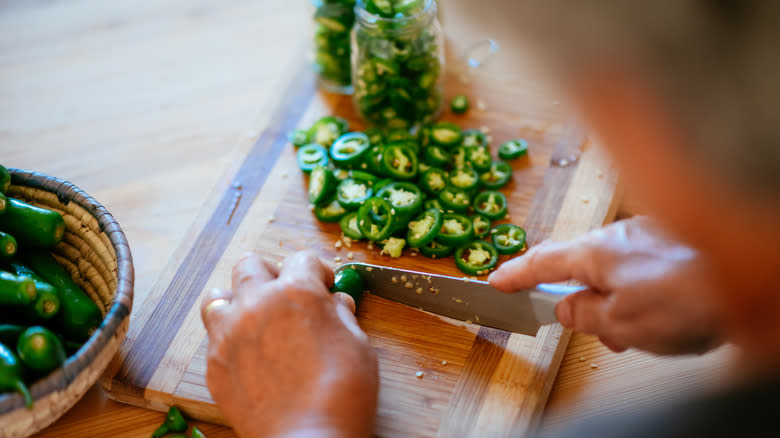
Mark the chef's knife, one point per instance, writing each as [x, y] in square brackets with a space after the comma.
[465, 299]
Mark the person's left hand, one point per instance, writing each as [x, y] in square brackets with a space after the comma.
[287, 358]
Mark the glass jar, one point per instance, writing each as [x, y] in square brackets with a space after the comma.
[397, 62]
[333, 20]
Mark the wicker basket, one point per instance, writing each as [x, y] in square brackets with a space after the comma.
[95, 252]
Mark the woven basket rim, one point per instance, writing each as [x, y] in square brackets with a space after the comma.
[121, 304]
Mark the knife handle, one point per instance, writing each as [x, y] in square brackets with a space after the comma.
[546, 296]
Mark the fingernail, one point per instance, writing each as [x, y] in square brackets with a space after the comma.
[563, 312]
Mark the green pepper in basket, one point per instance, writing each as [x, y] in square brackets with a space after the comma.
[40, 350]
[11, 375]
[47, 303]
[32, 225]
[16, 290]
[174, 422]
[5, 179]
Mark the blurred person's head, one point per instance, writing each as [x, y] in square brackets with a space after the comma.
[685, 94]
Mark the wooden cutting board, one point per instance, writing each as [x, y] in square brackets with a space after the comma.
[477, 381]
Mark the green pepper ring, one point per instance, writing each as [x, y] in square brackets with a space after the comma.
[513, 149]
[329, 211]
[393, 169]
[348, 150]
[352, 203]
[429, 234]
[469, 268]
[346, 227]
[447, 197]
[500, 200]
[460, 239]
[504, 230]
[366, 219]
[402, 211]
[436, 249]
[310, 156]
[321, 184]
[481, 226]
[488, 179]
[426, 180]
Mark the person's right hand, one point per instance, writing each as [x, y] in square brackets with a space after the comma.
[645, 290]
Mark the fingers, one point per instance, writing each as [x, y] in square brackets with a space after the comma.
[547, 262]
[214, 306]
[345, 310]
[251, 272]
[306, 265]
[583, 312]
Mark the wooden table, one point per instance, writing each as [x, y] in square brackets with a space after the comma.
[144, 104]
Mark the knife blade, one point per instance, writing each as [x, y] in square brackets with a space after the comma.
[465, 299]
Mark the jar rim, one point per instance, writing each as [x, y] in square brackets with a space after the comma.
[365, 16]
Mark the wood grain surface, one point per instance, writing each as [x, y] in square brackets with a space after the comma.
[149, 106]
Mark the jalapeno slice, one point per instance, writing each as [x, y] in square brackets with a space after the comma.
[405, 198]
[330, 210]
[479, 157]
[349, 226]
[399, 162]
[459, 158]
[459, 104]
[375, 219]
[464, 178]
[433, 203]
[497, 176]
[446, 134]
[456, 230]
[481, 226]
[332, 40]
[436, 156]
[513, 149]
[382, 183]
[352, 192]
[424, 228]
[310, 156]
[508, 238]
[366, 177]
[476, 258]
[398, 135]
[327, 129]
[491, 204]
[433, 180]
[375, 135]
[348, 150]
[349, 282]
[298, 137]
[322, 183]
[436, 250]
[454, 199]
[373, 160]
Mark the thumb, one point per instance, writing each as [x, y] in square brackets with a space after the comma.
[345, 309]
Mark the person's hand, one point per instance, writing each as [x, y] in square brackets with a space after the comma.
[287, 358]
[645, 291]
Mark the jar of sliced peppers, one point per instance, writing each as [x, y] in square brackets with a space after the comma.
[333, 20]
[397, 62]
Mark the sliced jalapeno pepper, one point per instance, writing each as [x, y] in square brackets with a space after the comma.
[459, 158]
[405, 198]
[424, 228]
[422, 168]
[348, 150]
[436, 156]
[375, 219]
[327, 129]
[398, 135]
[349, 282]
[446, 134]
[382, 183]
[481, 226]
[322, 184]
[491, 204]
[479, 157]
[459, 104]
[433, 180]
[349, 226]
[399, 162]
[474, 137]
[310, 156]
[433, 203]
[436, 250]
[330, 210]
[476, 258]
[375, 135]
[508, 238]
[513, 149]
[352, 192]
[298, 138]
[373, 160]
[454, 199]
[366, 177]
[464, 178]
[497, 176]
[456, 230]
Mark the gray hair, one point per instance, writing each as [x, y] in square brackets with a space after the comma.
[716, 61]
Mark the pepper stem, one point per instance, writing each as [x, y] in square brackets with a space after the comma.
[22, 388]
